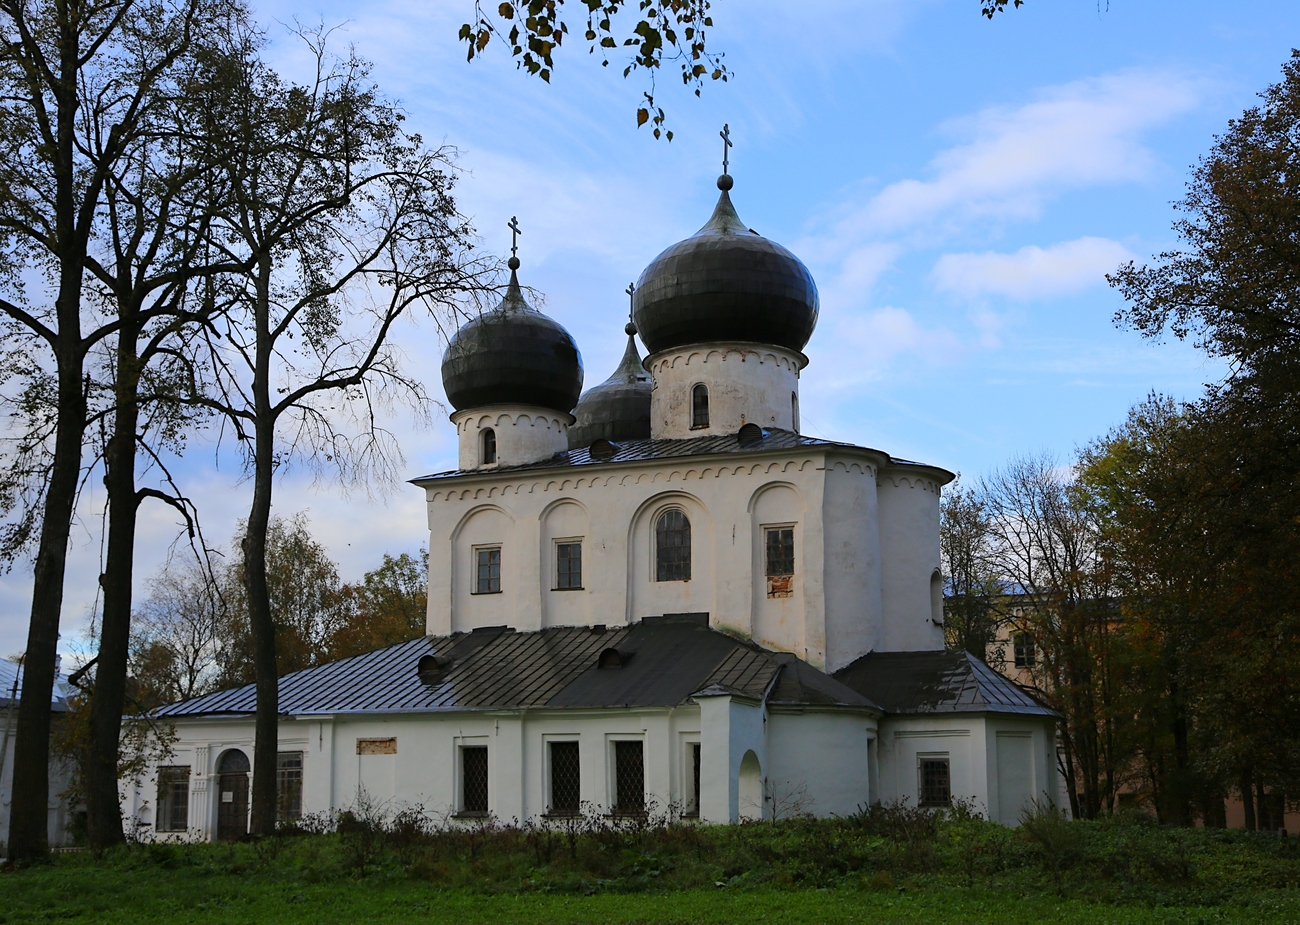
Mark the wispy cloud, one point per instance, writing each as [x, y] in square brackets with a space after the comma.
[1031, 272]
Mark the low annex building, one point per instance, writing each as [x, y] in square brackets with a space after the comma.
[657, 594]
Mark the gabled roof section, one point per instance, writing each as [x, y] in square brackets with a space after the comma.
[11, 687]
[663, 661]
[642, 450]
[936, 682]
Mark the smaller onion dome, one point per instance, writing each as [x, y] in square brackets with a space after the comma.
[619, 408]
[512, 355]
[726, 283]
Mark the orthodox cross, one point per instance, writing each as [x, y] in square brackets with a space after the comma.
[631, 303]
[725, 134]
[513, 225]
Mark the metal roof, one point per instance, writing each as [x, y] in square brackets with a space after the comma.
[937, 682]
[639, 450]
[664, 661]
[11, 687]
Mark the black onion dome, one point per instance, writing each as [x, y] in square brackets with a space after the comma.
[512, 355]
[725, 283]
[619, 408]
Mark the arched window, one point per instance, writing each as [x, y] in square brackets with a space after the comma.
[489, 440]
[672, 547]
[794, 411]
[700, 406]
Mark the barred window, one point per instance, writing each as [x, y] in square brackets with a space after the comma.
[672, 547]
[629, 778]
[780, 551]
[173, 799]
[700, 406]
[474, 778]
[936, 788]
[489, 453]
[288, 786]
[1023, 644]
[566, 779]
[568, 566]
[487, 577]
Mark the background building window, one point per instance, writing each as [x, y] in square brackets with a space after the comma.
[568, 566]
[489, 440]
[672, 547]
[1026, 657]
[173, 799]
[700, 406]
[474, 779]
[629, 778]
[487, 576]
[288, 786]
[936, 786]
[566, 779]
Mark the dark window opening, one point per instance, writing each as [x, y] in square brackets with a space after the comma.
[780, 551]
[288, 786]
[629, 778]
[566, 779]
[568, 566]
[173, 799]
[700, 406]
[474, 779]
[672, 547]
[487, 579]
[1026, 656]
[794, 412]
[489, 446]
[936, 789]
[693, 804]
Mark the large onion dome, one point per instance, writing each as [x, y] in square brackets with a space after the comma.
[619, 408]
[512, 355]
[725, 283]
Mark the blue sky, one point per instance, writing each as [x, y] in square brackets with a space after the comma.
[957, 187]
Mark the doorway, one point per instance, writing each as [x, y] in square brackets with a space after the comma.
[232, 796]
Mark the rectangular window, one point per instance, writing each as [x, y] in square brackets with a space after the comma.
[629, 778]
[936, 787]
[693, 798]
[173, 799]
[1024, 649]
[566, 779]
[780, 551]
[487, 576]
[474, 779]
[288, 786]
[568, 566]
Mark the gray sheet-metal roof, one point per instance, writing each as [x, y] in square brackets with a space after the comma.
[11, 687]
[665, 660]
[640, 450]
[936, 682]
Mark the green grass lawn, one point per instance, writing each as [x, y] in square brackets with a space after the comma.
[887, 866]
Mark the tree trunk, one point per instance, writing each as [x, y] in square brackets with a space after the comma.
[260, 620]
[103, 809]
[1248, 799]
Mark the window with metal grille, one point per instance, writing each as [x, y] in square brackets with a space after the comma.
[487, 577]
[489, 453]
[474, 779]
[629, 778]
[936, 788]
[700, 406]
[780, 551]
[672, 547]
[173, 799]
[693, 803]
[1026, 657]
[566, 779]
[568, 566]
[288, 786]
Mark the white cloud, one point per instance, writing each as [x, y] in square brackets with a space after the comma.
[860, 348]
[1031, 272]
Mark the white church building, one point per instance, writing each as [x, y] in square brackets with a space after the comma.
[657, 594]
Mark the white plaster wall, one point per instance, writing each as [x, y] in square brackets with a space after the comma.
[778, 621]
[820, 762]
[748, 384]
[565, 520]
[908, 511]
[729, 728]
[524, 433]
[851, 562]
[58, 812]
[486, 525]
[1021, 752]
[960, 737]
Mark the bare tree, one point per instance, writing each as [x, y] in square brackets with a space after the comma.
[346, 223]
[971, 617]
[176, 636]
